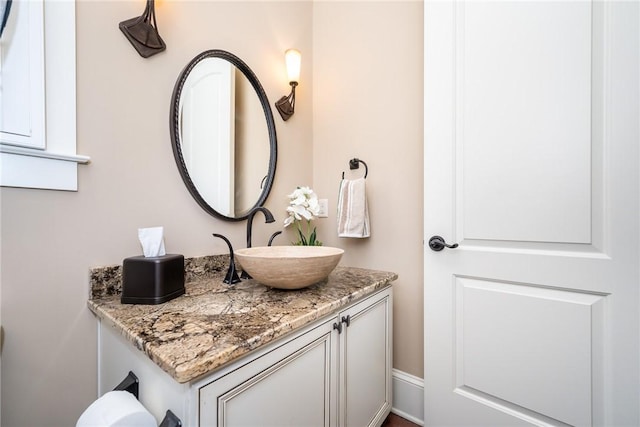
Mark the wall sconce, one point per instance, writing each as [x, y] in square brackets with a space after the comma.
[286, 104]
[142, 32]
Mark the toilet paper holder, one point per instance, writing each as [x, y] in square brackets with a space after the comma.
[131, 384]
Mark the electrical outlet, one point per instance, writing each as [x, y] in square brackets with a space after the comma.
[324, 208]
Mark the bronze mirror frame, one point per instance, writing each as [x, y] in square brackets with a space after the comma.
[174, 122]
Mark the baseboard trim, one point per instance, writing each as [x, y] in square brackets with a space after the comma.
[408, 396]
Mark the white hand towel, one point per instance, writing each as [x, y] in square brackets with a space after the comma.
[353, 213]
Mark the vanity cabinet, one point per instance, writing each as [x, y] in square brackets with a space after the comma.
[336, 374]
[333, 372]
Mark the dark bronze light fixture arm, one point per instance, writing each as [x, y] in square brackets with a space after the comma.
[142, 32]
[286, 105]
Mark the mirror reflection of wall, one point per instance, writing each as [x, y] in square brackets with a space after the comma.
[251, 146]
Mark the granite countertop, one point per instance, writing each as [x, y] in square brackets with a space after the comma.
[214, 323]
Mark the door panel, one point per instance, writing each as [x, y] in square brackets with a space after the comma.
[272, 398]
[512, 340]
[531, 165]
[289, 386]
[511, 99]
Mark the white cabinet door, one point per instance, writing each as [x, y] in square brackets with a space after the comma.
[293, 385]
[365, 362]
[531, 165]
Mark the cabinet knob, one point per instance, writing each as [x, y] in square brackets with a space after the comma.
[346, 320]
[338, 326]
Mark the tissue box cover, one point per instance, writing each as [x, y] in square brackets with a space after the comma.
[152, 280]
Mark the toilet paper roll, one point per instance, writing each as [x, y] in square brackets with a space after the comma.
[116, 409]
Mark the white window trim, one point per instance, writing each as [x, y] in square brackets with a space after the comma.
[55, 167]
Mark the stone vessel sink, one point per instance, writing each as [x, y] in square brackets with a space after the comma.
[289, 267]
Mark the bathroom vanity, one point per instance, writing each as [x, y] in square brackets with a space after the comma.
[248, 355]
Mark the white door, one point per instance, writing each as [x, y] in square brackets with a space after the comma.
[207, 125]
[531, 165]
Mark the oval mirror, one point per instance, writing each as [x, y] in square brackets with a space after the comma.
[223, 135]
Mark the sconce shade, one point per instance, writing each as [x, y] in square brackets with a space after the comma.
[293, 58]
[287, 104]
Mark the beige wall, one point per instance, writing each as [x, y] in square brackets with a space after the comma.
[251, 145]
[362, 62]
[368, 104]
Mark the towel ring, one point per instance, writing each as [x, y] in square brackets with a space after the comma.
[355, 164]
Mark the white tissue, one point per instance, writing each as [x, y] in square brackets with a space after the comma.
[116, 409]
[152, 241]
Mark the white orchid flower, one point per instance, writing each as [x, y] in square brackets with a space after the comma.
[293, 213]
[303, 205]
[299, 195]
[298, 199]
[305, 190]
[289, 220]
[314, 206]
[303, 212]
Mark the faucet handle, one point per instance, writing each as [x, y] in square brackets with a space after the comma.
[232, 275]
[273, 236]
